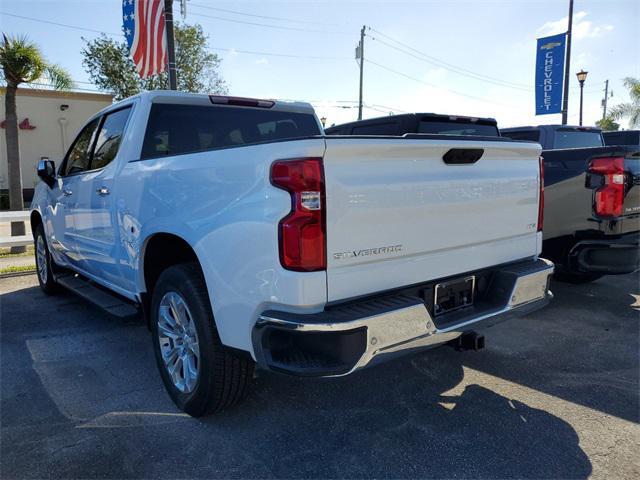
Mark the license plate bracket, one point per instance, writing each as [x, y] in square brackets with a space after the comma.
[453, 295]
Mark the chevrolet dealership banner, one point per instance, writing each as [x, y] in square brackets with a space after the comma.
[549, 74]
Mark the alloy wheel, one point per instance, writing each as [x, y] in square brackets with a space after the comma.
[41, 259]
[178, 341]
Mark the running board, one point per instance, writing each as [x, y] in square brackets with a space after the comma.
[110, 302]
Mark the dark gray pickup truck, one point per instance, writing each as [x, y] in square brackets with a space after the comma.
[424, 123]
[592, 201]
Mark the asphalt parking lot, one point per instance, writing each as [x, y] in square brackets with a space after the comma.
[554, 395]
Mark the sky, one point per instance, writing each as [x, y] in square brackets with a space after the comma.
[453, 57]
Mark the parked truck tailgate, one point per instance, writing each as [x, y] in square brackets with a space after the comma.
[397, 214]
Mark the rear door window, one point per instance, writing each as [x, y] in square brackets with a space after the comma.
[529, 135]
[457, 128]
[387, 128]
[109, 138]
[574, 138]
[179, 129]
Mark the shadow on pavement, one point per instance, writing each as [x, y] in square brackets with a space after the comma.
[81, 398]
[582, 348]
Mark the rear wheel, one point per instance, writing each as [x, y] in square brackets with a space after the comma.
[200, 374]
[44, 263]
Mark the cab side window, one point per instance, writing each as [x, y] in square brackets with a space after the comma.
[79, 155]
[109, 138]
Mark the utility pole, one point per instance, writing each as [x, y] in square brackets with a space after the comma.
[360, 55]
[171, 49]
[604, 100]
[567, 66]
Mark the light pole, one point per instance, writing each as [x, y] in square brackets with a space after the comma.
[323, 120]
[582, 76]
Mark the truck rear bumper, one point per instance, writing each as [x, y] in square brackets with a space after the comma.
[607, 256]
[346, 338]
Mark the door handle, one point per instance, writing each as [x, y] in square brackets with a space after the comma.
[102, 191]
[66, 192]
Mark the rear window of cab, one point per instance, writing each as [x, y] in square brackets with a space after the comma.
[179, 129]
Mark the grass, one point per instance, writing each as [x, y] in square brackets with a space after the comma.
[6, 252]
[18, 269]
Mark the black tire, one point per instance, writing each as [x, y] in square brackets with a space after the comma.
[222, 377]
[575, 277]
[45, 275]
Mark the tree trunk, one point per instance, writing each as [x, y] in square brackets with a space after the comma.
[13, 162]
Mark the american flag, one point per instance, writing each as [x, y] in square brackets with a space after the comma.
[143, 25]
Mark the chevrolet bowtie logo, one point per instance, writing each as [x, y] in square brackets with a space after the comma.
[549, 46]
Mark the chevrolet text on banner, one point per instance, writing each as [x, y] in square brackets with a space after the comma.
[144, 29]
[549, 74]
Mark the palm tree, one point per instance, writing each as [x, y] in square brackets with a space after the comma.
[630, 110]
[22, 62]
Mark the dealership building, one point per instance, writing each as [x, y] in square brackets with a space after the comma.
[48, 121]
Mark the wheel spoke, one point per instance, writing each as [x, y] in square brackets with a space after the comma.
[195, 348]
[190, 370]
[173, 305]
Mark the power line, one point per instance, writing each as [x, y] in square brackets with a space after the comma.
[277, 27]
[436, 86]
[49, 22]
[448, 65]
[439, 64]
[373, 106]
[274, 54]
[236, 12]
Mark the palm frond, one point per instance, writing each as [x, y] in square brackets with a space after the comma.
[20, 59]
[633, 84]
[58, 76]
[626, 110]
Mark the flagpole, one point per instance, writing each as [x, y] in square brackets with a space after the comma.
[567, 67]
[171, 53]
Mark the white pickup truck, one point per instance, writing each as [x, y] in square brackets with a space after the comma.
[245, 236]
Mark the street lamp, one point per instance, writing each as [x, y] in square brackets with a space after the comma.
[582, 76]
[323, 120]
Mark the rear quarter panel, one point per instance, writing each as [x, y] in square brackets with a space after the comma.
[222, 203]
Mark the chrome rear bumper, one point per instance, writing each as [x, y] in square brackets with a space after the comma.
[346, 338]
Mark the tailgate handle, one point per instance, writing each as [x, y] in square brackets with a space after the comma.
[462, 156]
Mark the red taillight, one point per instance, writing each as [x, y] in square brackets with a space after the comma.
[541, 196]
[302, 232]
[608, 198]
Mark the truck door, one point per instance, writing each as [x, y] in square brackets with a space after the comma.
[96, 228]
[64, 194]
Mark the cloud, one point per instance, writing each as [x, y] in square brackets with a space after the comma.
[582, 28]
[435, 75]
[262, 61]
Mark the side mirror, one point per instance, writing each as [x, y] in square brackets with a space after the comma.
[47, 171]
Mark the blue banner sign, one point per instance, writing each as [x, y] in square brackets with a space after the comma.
[549, 74]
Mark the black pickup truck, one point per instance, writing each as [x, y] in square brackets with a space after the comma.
[592, 201]
[622, 137]
[429, 123]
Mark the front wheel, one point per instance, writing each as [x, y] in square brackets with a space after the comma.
[199, 373]
[44, 263]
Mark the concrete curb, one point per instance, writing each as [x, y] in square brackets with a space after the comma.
[17, 274]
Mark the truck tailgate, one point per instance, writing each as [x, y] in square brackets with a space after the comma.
[397, 214]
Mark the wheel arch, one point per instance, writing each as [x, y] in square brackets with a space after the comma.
[35, 219]
[160, 251]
